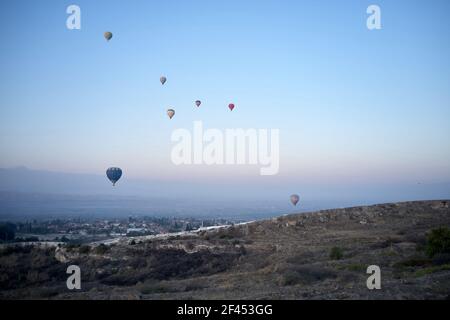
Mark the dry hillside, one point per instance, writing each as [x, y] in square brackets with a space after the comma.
[319, 255]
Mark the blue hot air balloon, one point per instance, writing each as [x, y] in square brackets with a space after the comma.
[114, 174]
[295, 199]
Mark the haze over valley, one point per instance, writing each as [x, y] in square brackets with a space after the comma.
[27, 193]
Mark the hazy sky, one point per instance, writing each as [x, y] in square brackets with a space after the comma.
[353, 106]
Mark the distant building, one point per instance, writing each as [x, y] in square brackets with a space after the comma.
[136, 231]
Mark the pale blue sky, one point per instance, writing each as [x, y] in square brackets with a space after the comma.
[353, 106]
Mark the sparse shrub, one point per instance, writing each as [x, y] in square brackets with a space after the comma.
[291, 278]
[138, 263]
[33, 276]
[46, 293]
[70, 247]
[235, 242]
[84, 249]
[301, 258]
[414, 261]
[438, 242]
[420, 246]
[430, 270]
[132, 243]
[356, 267]
[153, 289]
[29, 266]
[9, 250]
[194, 286]
[390, 241]
[417, 238]
[225, 236]
[306, 275]
[161, 287]
[158, 264]
[101, 249]
[336, 253]
[391, 252]
[441, 259]
[124, 277]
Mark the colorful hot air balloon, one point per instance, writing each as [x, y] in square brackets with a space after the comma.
[108, 35]
[163, 80]
[114, 174]
[294, 199]
[170, 113]
[198, 103]
[231, 106]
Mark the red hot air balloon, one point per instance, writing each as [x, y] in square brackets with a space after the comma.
[231, 106]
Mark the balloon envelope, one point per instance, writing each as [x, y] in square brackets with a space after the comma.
[295, 199]
[108, 35]
[163, 80]
[231, 106]
[114, 174]
[170, 113]
[198, 103]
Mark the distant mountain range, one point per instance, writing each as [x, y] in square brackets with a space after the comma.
[26, 193]
[21, 179]
[24, 205]
[30, 193]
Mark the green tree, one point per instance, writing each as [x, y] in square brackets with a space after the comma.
[336, 253]
[438, 242]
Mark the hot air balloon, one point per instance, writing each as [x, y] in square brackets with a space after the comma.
[114, 174]
[198, 103]
[108, 35]
[163, 80]
[231, 106]
[170, 113]
[294, 199]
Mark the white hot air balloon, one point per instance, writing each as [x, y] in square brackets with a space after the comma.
[170, 113]
[295, 199]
